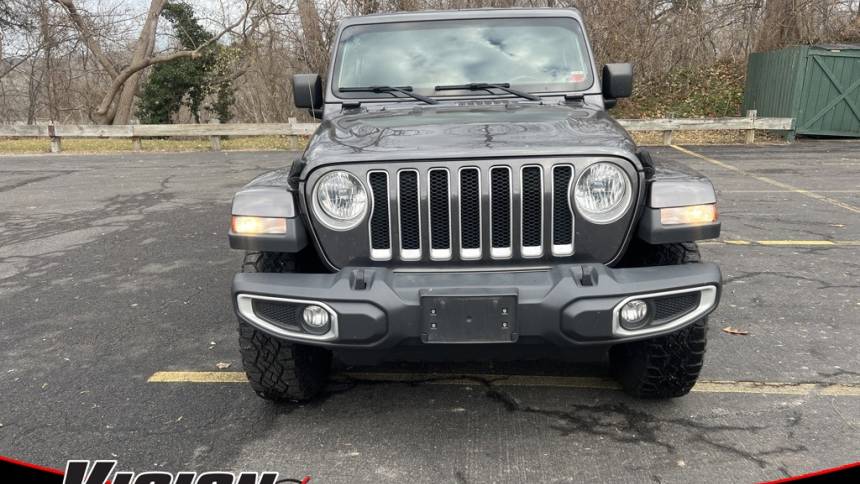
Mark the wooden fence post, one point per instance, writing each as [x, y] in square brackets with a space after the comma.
[294, 145]
[56, 142]
[667, 137]
[215, 141]
[667, 134]
[135, 143]
[750, 134]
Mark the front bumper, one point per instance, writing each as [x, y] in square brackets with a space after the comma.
[565, 305]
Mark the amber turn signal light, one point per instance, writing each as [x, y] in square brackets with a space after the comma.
[689, 215]
[246, 225]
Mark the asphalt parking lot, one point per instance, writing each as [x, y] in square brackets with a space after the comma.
[115, 269]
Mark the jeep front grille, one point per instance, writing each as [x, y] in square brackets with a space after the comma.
[471, 213]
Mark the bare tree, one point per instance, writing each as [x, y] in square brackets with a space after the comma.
[61, 62]
[782, 22]
[315, 50]
[117, 104]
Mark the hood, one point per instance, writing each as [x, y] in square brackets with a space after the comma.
[467, 131]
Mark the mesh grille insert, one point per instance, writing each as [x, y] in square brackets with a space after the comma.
[675, 306]
[532, 206]
[380, 237]
[280, 313]
[410, 232]
[500, 194]
[470, 208]
[562, 220]
[440, 223]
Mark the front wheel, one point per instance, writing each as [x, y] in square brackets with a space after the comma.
[666, 366]
[280, 370]
[663, 367]
[277, 369]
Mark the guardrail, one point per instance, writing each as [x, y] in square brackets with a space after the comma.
[750, 124]
[135, 132]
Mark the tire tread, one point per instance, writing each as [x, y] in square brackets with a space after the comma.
[278, 369]
[666, 366]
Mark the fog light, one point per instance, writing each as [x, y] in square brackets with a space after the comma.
[316, 318]
[634, 314]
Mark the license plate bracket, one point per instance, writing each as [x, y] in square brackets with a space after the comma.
[469, 318]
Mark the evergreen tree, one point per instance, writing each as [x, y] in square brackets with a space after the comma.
[187, 81]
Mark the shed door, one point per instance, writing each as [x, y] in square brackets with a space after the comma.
[830, 104]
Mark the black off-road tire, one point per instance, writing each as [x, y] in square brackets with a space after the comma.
[277, 369]
[666, 366]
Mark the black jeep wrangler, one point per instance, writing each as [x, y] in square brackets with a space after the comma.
[466, 196]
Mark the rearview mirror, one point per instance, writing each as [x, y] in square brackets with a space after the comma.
[307, 92]
[617, 83]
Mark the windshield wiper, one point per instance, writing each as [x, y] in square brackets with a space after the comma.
[486, 86]
[407, 90]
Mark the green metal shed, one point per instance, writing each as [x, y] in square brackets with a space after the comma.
[818, 85]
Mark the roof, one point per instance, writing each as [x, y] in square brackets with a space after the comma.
[424, 15]
[837, 46]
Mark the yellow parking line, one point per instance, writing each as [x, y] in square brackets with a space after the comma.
[788, 191]
[198, 377]
[796, 242]
[771, 181]
[593, 383]
[841, 391]
[766, 388]
[784, 243]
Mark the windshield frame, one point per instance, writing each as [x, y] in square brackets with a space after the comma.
[334, 96]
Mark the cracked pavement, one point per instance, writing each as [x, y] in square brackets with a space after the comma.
[114, 267]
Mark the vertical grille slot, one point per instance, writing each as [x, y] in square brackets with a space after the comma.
[470, 214]
[500, 213]
[531, 189]
[410, 215]
[440, 214]
[562, 218]
[380, 222]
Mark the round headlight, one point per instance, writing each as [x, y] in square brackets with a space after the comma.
[342, 200]
[602, 193]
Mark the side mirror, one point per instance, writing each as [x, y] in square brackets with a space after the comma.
[308, 93]
[617, 83]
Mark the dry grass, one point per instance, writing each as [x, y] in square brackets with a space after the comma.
[717, 137]
[109, 145]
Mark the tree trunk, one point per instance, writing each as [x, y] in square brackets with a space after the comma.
[316, 53]
[33, 86]
[49, 42]
[125, 102]
[145, 45]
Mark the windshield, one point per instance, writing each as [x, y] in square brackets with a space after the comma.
[534, 54]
